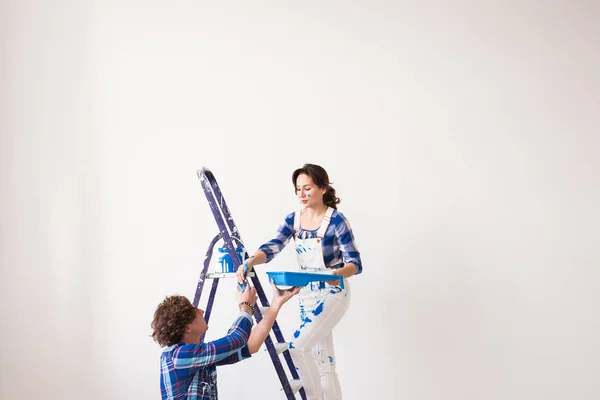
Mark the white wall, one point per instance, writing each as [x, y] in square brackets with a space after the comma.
[462, 138]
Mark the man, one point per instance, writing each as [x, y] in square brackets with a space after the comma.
[188, 366]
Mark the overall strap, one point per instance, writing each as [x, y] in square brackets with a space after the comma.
[325, 223]
[297, 222]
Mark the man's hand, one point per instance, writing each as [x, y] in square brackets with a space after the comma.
[249, 295]
[280, 297]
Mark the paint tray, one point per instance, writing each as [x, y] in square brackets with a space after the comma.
[288, 278]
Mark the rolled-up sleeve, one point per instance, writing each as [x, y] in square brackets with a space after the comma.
[242, 353]
[347, 243]
[202, 354]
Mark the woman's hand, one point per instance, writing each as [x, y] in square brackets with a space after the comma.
[241, 274]
[335, 282]
[346, 271]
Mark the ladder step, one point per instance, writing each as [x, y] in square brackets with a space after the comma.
[263, 310]
[281, 347]
[214, 275]
[296, 385]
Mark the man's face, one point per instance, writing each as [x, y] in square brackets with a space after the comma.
[198, 325]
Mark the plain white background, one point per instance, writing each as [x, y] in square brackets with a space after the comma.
[462, 137]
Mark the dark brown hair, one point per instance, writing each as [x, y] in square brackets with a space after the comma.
[321, 179]
[170, 319]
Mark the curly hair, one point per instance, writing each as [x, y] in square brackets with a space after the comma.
[321, 179]
[170, 319]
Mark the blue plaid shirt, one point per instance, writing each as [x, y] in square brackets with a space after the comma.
[339, 247]
[189, 371]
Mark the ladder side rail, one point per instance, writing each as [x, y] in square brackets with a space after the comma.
[285, 384]
[276, 331]
[211, 300]
[202, 278]
[221, 202]
[216, 210]
[290, 363]
[283, 378]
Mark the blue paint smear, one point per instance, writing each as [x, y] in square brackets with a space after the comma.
[305, 321]
[291, 346]
[335, 290]
[300, 249]
[319, 309]
[331, 360]
[302, 313]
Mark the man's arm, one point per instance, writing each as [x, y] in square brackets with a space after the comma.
[239, 355]
[261, 331]
[202, 354]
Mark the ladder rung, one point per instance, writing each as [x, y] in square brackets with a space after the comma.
[263, 310]
[281, 347]
[219, 275]
[296, 385]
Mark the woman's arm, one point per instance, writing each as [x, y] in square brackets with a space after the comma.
[263, 328]
[269, 250]
[347, 244]
[346, 271]
[258, 258]
[344, 238]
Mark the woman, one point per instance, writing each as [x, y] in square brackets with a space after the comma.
[324, 244]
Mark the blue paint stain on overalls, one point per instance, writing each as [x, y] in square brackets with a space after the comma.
[319, 302]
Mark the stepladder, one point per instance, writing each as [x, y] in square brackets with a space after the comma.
[229, 234]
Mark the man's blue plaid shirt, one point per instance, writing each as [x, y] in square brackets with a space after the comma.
[189, 371]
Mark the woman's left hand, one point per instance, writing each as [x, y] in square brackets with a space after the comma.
[335, 282]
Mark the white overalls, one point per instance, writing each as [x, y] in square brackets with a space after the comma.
[322, 306]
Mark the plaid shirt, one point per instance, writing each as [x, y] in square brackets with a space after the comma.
[339, 247]
[189, 371]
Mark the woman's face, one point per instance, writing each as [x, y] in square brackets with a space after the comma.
[310, 195]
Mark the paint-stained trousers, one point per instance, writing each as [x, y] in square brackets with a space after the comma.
[321, 307]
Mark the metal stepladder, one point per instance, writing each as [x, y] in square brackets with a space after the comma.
[229, 233]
